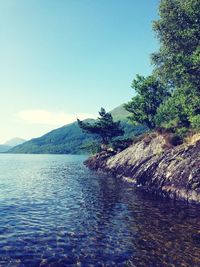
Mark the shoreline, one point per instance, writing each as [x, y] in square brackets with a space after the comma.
[169, 172]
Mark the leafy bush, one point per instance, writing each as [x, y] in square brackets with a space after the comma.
[178, 110]
[195, 122]
[151, 93]
[91, 147]
[182, 132]
[121, 143]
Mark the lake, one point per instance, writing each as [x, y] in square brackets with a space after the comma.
[56, 212]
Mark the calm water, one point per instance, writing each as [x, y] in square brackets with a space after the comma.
[55, 212]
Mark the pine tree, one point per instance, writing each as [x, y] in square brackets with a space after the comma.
[104, 127]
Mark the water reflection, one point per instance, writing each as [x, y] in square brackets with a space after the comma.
[55, 212]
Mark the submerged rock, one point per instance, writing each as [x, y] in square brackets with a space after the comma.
[152, 164]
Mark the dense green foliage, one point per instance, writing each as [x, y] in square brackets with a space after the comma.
[178, 61]
[178, 30]
[179, 109]
[104, 127]
[91, 147]
[170, 98]
[151, 93]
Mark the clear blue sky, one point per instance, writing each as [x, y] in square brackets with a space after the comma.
[67, 58]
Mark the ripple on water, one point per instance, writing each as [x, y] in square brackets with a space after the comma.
[55, 212]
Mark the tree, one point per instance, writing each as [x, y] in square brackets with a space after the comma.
[179, 110]
[151, 93]
[178, 30]
[177, 62]
[104, 127]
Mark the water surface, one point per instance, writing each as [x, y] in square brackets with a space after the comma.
[55, 212]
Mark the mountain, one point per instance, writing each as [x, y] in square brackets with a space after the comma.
[120, 114]
[4, 148]
[11, 143]
[65, 140]
[70, 139]
[15, 142]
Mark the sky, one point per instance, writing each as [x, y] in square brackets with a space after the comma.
[65, 59]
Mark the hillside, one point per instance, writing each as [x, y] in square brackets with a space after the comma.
[15, 142]
[10, 144]
[69, 139]
[119, 113]
[65, 140]
[4, 148]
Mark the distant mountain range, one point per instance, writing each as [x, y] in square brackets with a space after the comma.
[70, 139]
[65, 140]
[4, 148]
[15, 141]
[11, 143]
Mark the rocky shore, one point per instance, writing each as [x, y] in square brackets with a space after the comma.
[151, 163]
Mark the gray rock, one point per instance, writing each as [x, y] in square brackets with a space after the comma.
[152, 164]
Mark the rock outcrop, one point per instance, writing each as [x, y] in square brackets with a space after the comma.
[152, 164]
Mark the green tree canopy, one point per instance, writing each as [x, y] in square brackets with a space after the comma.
[179, 110]
[104, 127]
[178, 30]
[150, 94]
[177, 62]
